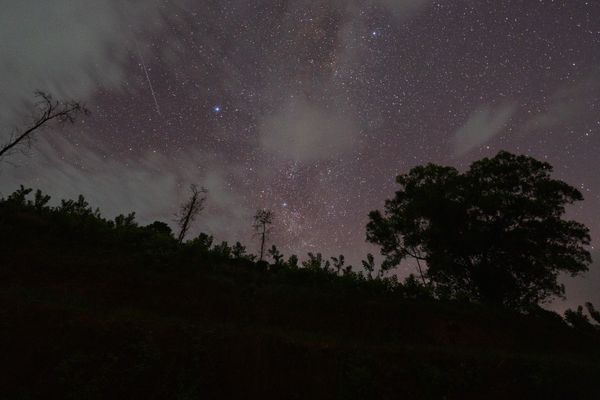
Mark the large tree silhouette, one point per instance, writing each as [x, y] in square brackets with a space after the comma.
[46, 110]
[493, 234]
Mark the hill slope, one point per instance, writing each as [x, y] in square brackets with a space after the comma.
[87, 313]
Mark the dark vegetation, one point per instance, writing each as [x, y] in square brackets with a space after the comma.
[95, 308]
[494, 234]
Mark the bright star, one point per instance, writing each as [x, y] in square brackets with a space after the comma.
[217, 109]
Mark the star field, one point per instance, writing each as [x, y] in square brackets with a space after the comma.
[311, 108]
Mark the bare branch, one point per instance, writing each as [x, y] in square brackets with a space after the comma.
[262, 221]
[190, 210]
[46, 110]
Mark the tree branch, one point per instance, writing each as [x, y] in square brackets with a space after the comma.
[49, 109]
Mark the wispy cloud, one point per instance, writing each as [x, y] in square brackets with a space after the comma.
[481, 126]
[566, 105]
[302, 131]
[151, 185]
[320, 122]
[68, 48]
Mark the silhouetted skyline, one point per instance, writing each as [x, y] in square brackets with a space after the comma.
[307, 108]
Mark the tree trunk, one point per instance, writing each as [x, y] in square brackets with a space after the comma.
[186, 222]
[262, 243]
[421, 271]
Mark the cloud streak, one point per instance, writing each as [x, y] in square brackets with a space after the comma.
[68, 48]
[481, 126]
[152, 185]
[302, 131]
[566, 105]
[320, 123]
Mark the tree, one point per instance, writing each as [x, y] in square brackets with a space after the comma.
[369, 265]
[125, 221]
[238, 250]
[47, 109]
[493, 234]
[160, 228]
[203, 242]
[338, 263]
[316, 262]
[292, 262]
[190, 210]
[276, 255]
[262, 225]
[595, 314]
[222, 250]
[579, 320]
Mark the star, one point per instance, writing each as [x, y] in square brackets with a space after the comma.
[323, 106]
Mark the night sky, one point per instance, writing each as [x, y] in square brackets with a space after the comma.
[309, 108]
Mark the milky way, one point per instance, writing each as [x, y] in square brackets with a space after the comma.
[309, 108]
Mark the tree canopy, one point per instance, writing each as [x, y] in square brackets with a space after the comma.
[493, 234]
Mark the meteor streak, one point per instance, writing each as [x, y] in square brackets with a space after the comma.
[147, 77]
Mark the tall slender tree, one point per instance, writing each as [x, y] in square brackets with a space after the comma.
[262, 225]
[190, 210]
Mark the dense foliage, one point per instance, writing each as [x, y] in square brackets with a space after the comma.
[493, 234]
[24, 214]
[97, 308]
[579, 320]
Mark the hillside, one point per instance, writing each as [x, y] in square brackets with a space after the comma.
[97, 309]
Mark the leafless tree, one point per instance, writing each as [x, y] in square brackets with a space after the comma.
[262, 222]
[190, 210]
[47, 109]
